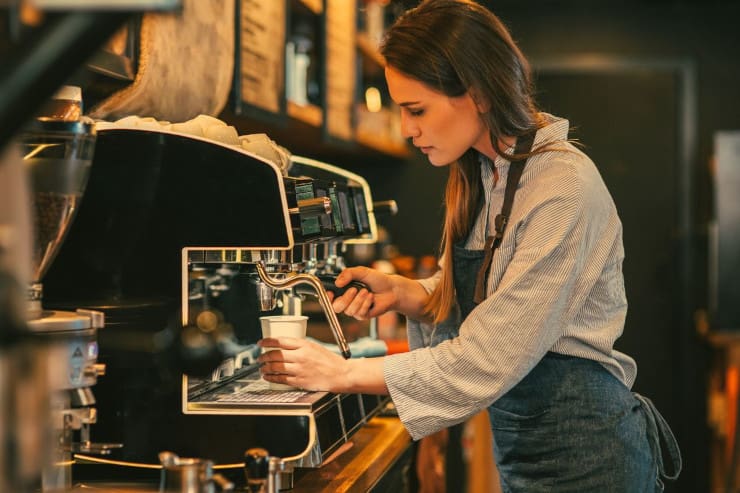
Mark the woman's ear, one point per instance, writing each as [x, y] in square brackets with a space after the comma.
[481, 102]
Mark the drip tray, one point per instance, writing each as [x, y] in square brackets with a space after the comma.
[250, 394]
[333, 417]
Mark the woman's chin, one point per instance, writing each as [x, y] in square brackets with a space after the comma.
[437, 162]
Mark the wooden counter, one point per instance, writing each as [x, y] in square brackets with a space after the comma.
[368, 463]
[372, 452]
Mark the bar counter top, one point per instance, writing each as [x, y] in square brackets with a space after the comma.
[365, 463]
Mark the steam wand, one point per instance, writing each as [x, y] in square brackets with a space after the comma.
[312, 280]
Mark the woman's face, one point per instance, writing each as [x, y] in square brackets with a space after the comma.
[441, 126]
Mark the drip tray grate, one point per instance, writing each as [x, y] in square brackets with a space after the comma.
[259, 391]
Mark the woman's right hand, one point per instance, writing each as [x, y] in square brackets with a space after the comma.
[363, 304]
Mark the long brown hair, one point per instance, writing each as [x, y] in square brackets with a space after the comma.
[457, 46]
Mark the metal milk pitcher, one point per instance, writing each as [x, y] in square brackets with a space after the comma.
[188, 475]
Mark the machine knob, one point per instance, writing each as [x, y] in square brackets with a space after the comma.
[312, 207]
[256, 468]
[385, 208]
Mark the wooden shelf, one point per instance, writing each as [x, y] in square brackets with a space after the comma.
[309, 140]
[337, 130]
[315, 6]
[376, 130]
[386, 146]
[308, 113]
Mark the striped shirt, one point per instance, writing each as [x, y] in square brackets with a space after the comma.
[555, 284]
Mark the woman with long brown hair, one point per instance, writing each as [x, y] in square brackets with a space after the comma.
[522, 317]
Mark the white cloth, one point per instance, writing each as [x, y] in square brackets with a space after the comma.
[186, 62]
[555, 284]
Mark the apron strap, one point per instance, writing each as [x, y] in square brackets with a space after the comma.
[658, 428]
[523, 146]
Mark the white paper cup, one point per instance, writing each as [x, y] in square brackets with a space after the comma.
[283, 326]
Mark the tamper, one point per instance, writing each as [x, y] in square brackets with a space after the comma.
[256, 468]
[263, 472]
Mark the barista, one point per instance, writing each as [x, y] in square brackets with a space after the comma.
[522, 317]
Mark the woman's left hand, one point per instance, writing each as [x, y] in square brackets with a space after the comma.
[303, 364]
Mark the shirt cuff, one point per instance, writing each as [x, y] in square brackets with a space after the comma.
[430, 282]
[398, 372]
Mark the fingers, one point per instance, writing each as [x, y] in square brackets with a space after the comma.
[342, 302]
[275, 369]
[359, 273]
[274, 363]
[296, 382]
[345, 277]
[300, 363]
[367, 304]
[281, 342]
[354, 303]
[359, 305]
[276, 377]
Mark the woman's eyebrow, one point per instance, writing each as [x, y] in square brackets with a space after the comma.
[408, 103]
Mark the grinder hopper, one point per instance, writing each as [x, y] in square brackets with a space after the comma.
[57, 156]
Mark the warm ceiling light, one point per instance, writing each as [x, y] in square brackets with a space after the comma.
[372, 100]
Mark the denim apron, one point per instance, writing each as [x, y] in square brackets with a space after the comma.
[569, 425]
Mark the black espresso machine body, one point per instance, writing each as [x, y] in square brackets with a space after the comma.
[165, 244]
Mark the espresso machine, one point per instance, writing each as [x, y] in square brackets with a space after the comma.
[327, 207]
[183, 242]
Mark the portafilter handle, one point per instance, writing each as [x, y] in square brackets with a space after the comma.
[324, 301]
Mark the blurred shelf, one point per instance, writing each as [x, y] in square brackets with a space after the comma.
[307, 139]
[315, 6]
[724, 338]
[387, 146]
[380, 130]
[334, 131]
[308, 113]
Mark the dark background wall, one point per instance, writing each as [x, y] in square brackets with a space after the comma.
[701, 32]
[667, 283]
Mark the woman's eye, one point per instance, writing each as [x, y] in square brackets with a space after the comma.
[416, 112]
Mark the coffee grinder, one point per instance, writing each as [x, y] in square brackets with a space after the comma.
[57, 156]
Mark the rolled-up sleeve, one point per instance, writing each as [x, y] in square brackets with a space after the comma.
[419, 333]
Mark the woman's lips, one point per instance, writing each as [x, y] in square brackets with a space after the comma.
[425, 149]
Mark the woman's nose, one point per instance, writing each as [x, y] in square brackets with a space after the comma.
[408, 128]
